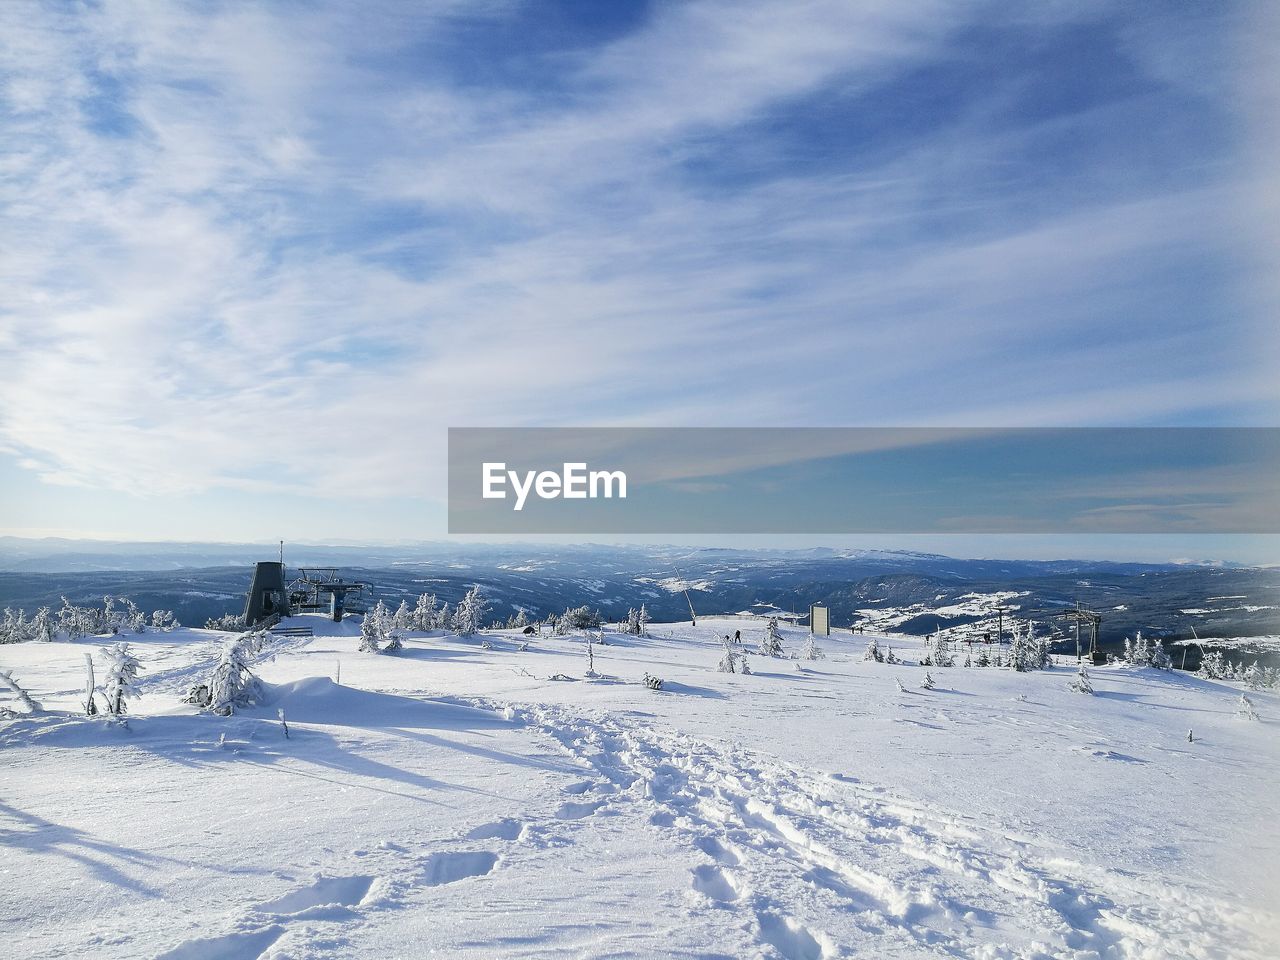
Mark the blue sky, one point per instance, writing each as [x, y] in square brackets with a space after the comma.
[257, 258]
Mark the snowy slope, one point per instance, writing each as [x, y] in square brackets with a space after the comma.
[454, 799]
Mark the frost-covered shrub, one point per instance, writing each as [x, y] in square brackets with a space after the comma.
[652, 682]
[637, 621]
[425, 616]
[1081, 684]
[25, 702]
[121, 683]
[927, 682]
[811, 650]
[234, 683]
[1245, 710]
[227, 623]
[164, 620]
[771, 642]
[873, 651]
[370, 633]
[577, 618]
[733, 659]
[470, 613]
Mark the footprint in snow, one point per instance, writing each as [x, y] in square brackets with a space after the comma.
[326, 892]
[441, 868]
[504, 829]
[576, 811]
[715, 883]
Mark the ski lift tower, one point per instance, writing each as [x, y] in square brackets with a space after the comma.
[322, 590]
[1093, 620]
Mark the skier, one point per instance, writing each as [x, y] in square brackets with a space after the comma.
[737, 637]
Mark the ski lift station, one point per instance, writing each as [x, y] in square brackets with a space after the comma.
[313, 590]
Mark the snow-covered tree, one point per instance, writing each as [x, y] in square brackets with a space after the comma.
[424, 613]
[873, 651]
[891, 657]
[940, 651]
[121, 683]
[470, 614]
[927, 682]
[163, 620]
[72, 620]
[733, 660]
[771, 642]
[25, 700]
[395, 642]
[402, 619]
[233, 683]
[133, 618]
[1081, 684]
[1253, 677]
[1160, 658]
[1245, 710]
[42, 626]
[811, 650]
[90, 687]
[578, 618]
[370, 633]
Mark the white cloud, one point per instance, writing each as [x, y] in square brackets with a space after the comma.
[209, 295]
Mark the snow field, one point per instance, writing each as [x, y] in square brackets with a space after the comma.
[453, 799]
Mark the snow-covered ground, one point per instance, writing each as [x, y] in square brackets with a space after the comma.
[453, 800]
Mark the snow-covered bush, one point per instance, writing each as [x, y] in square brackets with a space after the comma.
[370, 633]
[1245, 710]
[402, 619]
[578, 618]
[121, 683]
[42, 626]
[395, 642]
[637, 621]
[1254, 677]
[90, 687]
[25, 702]
[771, 642]
[927, 682]
[733, 660]
[1081, 684]
[227, 623]
[652, 682]
[811, 650]
[233, 683]
[425, 615]
[873, 651]
[164, 620]
[469, 616]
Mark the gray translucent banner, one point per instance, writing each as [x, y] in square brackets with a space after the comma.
[864, 480]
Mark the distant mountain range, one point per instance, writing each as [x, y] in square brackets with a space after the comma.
[899, 590]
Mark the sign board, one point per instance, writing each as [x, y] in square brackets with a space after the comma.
[819, 620]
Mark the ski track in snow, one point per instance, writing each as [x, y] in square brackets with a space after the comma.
[774, 846]
[770, 838]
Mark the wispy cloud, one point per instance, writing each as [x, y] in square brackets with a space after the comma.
[281, 249]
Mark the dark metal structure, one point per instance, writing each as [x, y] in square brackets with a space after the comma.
[322, 590]
[267, 596]
[1093, 620]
